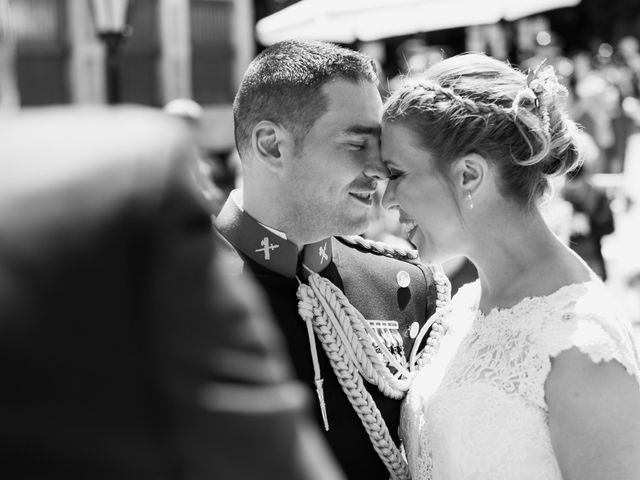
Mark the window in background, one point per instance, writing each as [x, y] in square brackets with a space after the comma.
[141, 55]
[42, 58]
[212, 52]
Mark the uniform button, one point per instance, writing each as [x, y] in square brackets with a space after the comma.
[403, 279]
[414, 329]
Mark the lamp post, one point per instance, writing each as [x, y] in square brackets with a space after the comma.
[110, 19]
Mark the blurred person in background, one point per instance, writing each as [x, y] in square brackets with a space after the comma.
[539, 376]
[126, 351]
[620, 79]
[414, 57]
[592, 217]
[602, 88]
[412, 60]
[307, 126]
[593, 107]
[191, 112]
[628, 55]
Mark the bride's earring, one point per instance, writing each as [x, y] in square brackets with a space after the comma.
[469, 200]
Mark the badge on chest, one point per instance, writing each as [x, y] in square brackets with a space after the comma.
[387, 333]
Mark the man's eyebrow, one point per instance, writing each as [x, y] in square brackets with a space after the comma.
[362, 130]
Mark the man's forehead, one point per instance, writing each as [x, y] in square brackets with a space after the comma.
[347, 93]
[353, 108]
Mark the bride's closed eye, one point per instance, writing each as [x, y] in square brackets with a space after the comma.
[394, 174]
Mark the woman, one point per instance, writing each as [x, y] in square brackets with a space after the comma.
[538, 377]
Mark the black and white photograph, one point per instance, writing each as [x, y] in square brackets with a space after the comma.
[320, 239]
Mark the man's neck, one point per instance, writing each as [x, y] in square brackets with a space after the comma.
[256, 208]
[267, 209]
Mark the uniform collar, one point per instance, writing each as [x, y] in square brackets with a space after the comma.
[266, 247]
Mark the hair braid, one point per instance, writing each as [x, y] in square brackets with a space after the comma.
[474, 107]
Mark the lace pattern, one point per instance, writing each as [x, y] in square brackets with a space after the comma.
[481, 412]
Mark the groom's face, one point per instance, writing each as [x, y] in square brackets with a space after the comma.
[332, 179]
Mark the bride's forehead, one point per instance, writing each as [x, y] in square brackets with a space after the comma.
[400, 137]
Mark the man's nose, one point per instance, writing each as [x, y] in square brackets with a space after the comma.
[375, 168]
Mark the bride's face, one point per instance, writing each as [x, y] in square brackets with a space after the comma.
[420, 193]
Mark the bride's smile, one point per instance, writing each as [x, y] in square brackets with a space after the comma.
[421, 193]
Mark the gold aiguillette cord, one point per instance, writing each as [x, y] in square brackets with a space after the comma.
[317, 378]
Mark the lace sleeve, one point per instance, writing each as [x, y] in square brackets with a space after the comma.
[593, 325]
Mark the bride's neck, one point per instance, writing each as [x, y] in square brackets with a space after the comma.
[523, 259]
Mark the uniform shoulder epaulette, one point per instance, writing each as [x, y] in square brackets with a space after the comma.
[380, 248]
[440, 281]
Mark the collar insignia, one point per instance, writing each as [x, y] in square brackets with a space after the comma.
[322, 252]
[266, 248]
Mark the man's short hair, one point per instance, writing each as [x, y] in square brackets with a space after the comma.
[282, 84]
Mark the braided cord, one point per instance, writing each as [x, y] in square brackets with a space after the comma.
[346, 339]
[381, 248]
[436, 321]
[348, 319]
[352, 384]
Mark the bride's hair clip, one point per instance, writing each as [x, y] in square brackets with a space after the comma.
[542, 85]
[542, 89]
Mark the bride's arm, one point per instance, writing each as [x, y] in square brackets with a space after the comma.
[594, 418]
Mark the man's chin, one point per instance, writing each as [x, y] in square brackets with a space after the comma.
[332, 225]
[356, 228]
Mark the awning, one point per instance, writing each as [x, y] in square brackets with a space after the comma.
[346, 21]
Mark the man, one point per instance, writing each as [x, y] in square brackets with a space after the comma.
[307, 124]
[125, 350]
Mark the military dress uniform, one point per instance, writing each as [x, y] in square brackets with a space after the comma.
[380, 287]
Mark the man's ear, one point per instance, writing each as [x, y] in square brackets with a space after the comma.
[272, 144]
[470, 171]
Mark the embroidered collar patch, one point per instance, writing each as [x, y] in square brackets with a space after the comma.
[266, 247]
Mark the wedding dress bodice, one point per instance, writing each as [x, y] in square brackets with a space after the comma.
[478, 410]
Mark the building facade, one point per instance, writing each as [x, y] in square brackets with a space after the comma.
[50, 54]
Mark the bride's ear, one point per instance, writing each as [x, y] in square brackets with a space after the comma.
[470, 172]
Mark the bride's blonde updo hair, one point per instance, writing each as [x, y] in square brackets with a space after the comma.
[473, 103]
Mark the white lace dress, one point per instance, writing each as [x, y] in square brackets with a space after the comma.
[478, 411]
